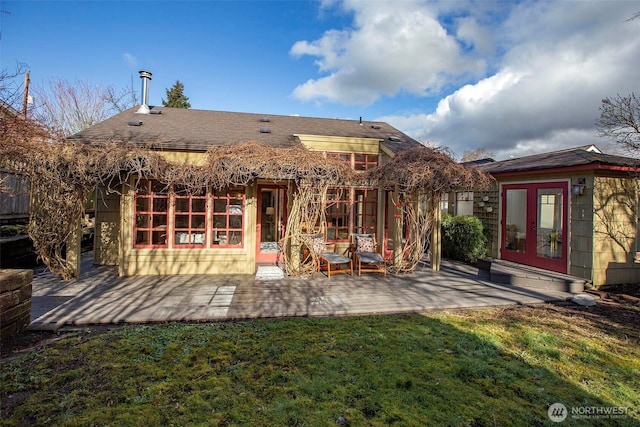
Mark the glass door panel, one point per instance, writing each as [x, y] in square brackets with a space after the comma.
[271, 222]
[534, 228]
[515, 234]
[549, 227]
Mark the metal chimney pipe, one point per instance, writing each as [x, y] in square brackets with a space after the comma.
[145, 76]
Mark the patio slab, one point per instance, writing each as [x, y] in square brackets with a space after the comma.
[99, 296]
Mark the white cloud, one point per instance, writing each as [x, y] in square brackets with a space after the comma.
[393, 47]
[471, 32]
[130, 60]
[560, 59]
[535, 71]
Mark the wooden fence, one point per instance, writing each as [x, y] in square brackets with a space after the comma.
[14, 196]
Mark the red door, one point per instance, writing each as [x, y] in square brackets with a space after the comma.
[534, 224]
[271, 221]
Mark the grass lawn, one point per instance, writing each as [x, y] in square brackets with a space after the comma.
[493, 367]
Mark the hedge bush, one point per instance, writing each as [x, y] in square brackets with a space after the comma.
[463, 238]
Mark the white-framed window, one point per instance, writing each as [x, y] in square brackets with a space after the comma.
[464, 203]
[444, 203]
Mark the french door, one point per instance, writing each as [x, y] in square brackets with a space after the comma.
[534, 224]
[271, 221]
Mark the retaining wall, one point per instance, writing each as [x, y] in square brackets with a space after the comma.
[15, 302]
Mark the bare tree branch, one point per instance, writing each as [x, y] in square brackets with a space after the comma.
[12, 86]
[620, 122]
[69, 108]
[122, 99]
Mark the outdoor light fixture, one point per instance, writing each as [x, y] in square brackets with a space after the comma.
[578, 189]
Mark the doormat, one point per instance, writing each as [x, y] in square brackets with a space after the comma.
[269, 272]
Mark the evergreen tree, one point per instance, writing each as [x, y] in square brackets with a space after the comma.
[176, 97]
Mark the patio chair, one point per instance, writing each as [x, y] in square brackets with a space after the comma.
[366, 255]
[329, 260]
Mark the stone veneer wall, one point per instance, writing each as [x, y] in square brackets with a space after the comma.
[15, 302]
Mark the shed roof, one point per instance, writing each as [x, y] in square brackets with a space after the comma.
[197, 130]
[583, 157]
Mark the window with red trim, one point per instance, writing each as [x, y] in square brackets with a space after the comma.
[190, 218]
[364, 162]
[151, 214]
[358, 161]
[345, 157]
[228, 214]
[337, 214]
[352, 210]
[365, 208]
[188, 222]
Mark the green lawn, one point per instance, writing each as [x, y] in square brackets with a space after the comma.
[493, 367]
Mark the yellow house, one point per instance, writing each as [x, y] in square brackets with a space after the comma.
[572, 211]
[148, 228]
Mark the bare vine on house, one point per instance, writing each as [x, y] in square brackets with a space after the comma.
[418, 177]
[63, 173]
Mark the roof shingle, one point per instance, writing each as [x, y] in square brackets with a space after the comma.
[197, 130]
[573, 157]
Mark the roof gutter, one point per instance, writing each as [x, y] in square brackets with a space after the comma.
[580, 168]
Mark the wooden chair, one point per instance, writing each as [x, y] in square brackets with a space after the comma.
[366, 255]
[329, 260]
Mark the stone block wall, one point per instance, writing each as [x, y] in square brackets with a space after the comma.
[15, 302]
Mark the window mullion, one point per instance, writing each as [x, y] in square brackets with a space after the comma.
[209, 218]
[351, 210]
[171, 219]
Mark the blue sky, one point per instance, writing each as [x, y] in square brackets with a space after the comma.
[512, 77]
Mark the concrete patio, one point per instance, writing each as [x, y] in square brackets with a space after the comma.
[99, 296]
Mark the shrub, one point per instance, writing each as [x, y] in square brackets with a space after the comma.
[463, 238]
